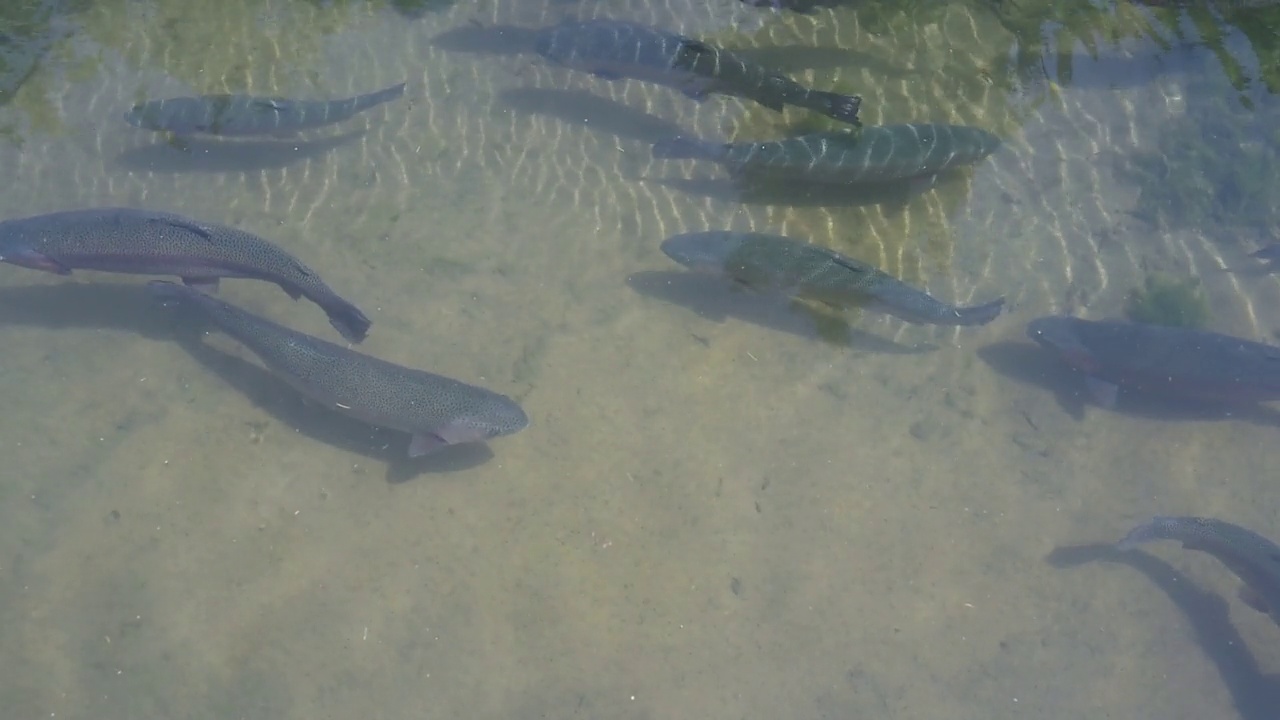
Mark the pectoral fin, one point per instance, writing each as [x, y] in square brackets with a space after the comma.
[424, 443]
[203, 284]
[36, 261]
[1102, 392]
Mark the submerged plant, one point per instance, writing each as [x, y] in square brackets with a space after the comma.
[1166, 300]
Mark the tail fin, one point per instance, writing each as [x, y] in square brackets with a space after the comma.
[347, 319]
[979, 314]
[841, 107]
[683, 148]
[381, 96]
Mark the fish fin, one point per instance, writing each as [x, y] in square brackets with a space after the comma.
[607, 74]
[454, 434]
[203, 284]
[682, 148]
[842, 107]
[347, 319]
[36, 261]
[292, 292]
[1102, 392]
[424, 443]
[165, 292]
[1253, 599]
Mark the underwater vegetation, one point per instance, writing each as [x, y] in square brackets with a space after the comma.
[1215, 172]
[1167, 300]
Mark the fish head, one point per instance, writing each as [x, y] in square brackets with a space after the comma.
[1058, 334]
[491, 416]
[147, 115]
[700, 251]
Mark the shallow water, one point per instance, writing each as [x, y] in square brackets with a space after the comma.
[725, 506]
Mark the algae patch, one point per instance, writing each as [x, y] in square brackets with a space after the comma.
[1167, 300]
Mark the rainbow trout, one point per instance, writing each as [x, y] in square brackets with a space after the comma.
[435, 410]
[246, 115]
[1170, 361]
[1253, 558]
[144, 242]
[613, 49]
[874, 154]
[810, 272]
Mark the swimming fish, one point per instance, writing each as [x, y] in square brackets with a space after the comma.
[1160, 359]
[145, 242]
[1253, 558]
[435, 410]
[244, 115]
[614, 49]
[811, 272]
[873, 154]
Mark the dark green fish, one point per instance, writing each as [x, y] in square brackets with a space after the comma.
[873, 154]
[614, 49]
[1253, 558]
[810, 272]
[146, 242]
[436, 410]
[245, 115]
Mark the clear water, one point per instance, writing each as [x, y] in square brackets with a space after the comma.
[725, 506]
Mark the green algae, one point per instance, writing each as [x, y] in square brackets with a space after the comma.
[1167, 300]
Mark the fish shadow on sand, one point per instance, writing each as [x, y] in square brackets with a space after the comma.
[1255, 695]
[717, 299]
[128, 307]
[1030, 364]
[492, 40]
[748, 190]
[578, 107]
[200, 155]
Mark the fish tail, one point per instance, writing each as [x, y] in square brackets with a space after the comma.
[840, 107]
[980, 314]
[347, 319]
[683, 148]
[381, 96]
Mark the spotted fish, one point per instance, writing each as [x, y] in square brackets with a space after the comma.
[614, 49]
[1170, 361]
[435, 410]
[247, 115]
[811, 272]
[874, 154]
[145, 242]
[1252, 557]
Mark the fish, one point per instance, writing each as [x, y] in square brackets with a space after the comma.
[146, 242]
[613, 49]
[249, 115]
[1253, 558]
[800, 6]
[872, 154]
[1159, 359]
[810, 272]
[435, 410]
